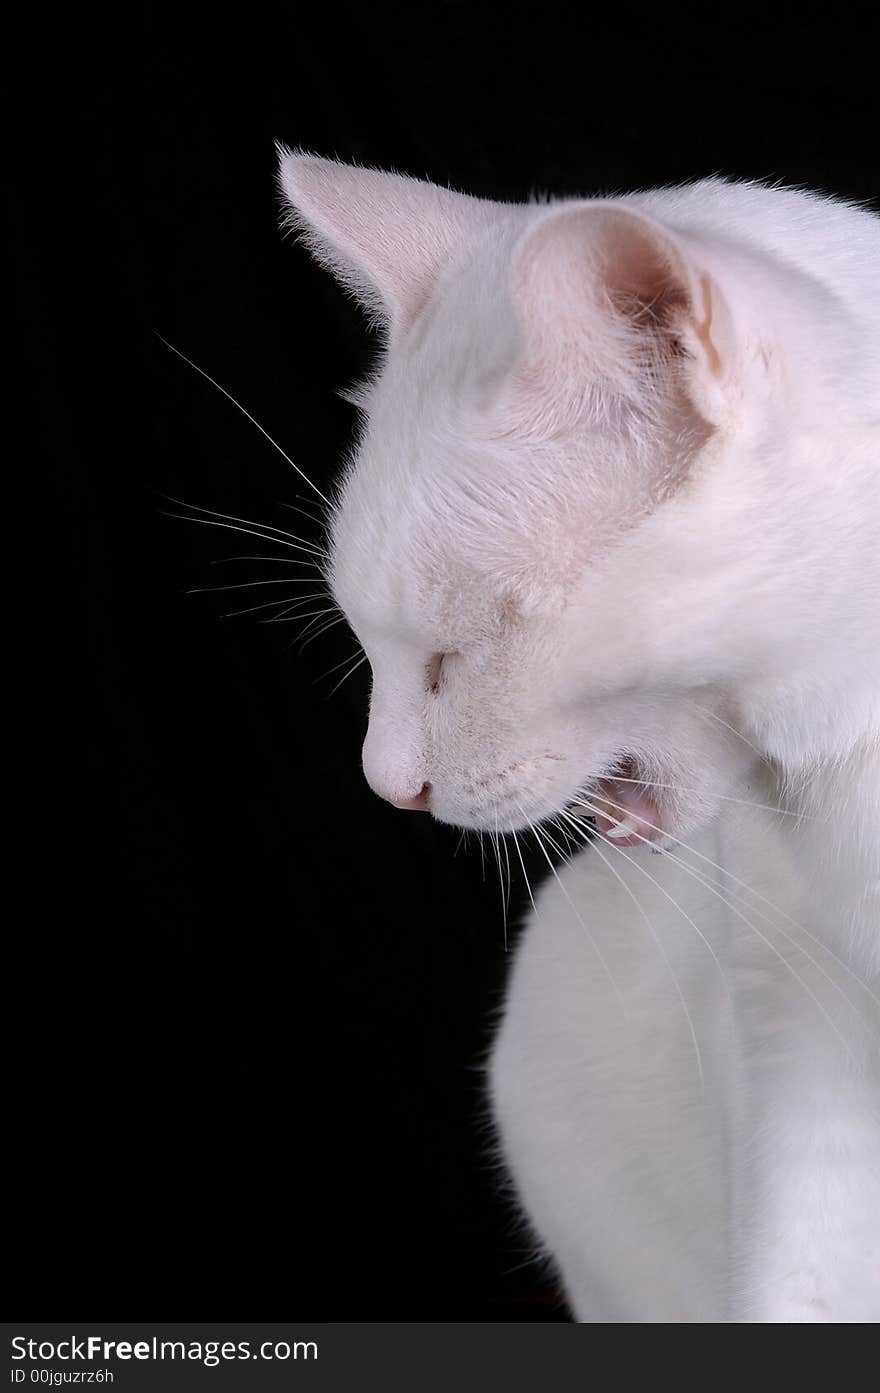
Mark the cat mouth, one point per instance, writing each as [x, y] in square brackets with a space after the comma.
[623, 808]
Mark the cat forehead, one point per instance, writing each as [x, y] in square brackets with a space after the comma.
[443, 530]
[462, 548]
[437, 541]
[418, 565]
[463, 338]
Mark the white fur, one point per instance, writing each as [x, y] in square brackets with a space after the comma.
[616, 495]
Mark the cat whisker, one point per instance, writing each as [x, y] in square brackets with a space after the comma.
[497, 851]
[345, 676]
[278, 560]
[725, 797]
[684, 1006]
[590, 937]
[279, 532]
[336, 666]
[295, 607]
[318, 632]
[523, 868]
[705, 881]
[291, 601]
[269, 604]
[551, 841]
[288, 616]
[712, 886]
[303, 512]
[238, 405]
[763, 898]
[571, 844]
[249, 584]
[504, 848]
[208, 522]
[314, 622]
[704, 710]
[696, 928]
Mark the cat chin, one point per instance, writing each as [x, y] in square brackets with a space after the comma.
[618, 806]
[623, 807]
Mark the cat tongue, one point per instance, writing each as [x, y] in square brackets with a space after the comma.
[629, 816]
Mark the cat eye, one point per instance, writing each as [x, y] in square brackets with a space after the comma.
[434, 670]
[437, 667]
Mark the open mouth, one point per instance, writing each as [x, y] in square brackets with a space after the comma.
[624, 809]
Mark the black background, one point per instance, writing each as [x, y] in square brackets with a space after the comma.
[253, 1001]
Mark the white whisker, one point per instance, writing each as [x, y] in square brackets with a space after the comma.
[702, 879]
[249, 584]
[294, 613]
[711, 886]
[271, 604]
[738, 733]
[336, 666]
[507, 868]
[208, 522]
[500, 880]
[681, 911]
[725, 797]
[279, 532]
[261, 429]
[345, 676]
[523, 868]
[591, 939]
[318, 632]
[763, 898]
[278, 560]
[661, 950]
[303, 512]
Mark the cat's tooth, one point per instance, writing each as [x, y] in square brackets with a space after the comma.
[624, 828]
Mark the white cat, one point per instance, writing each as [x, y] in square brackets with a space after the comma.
[615, 515]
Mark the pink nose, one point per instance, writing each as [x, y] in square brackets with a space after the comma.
[419, 804]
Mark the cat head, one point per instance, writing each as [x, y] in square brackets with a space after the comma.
[539, 540]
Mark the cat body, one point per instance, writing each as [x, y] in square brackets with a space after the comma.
[745, 1189]
[610, 542]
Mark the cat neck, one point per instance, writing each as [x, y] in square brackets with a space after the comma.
[837, 845]
[814, 708]
[823, 748]
[809, 697]
[820, 731]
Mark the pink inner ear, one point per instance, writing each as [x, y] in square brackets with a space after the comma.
[613, 308]
[641, 270]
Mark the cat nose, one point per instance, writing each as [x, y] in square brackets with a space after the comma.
[419, 804]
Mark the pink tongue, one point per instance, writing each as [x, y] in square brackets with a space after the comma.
[624, 802]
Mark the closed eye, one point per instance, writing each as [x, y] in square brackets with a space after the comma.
[434, 671]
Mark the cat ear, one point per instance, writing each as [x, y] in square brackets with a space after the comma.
[608, 297]
[384, 236]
